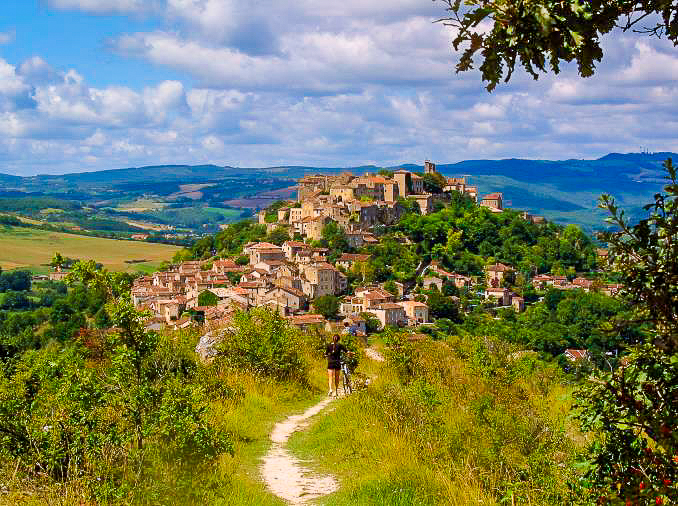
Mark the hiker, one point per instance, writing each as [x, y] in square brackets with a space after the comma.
[333, 354]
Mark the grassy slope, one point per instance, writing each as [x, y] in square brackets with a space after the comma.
[385, 451]
[31, 248]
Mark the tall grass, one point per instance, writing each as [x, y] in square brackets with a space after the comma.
[463, 426]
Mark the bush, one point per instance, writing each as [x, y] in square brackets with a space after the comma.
[207, 298]
[327, 305]
[263, 342]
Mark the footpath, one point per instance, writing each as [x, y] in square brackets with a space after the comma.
[287, 476]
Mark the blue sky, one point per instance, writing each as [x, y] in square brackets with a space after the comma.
[98, 84]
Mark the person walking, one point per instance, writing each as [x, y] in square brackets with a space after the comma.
[333, 353]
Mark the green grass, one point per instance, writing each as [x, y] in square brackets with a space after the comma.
[424, 442]
[32, 249]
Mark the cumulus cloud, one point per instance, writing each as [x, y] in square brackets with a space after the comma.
[305, 82]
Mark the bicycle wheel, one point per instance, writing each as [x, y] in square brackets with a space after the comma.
[347, 381]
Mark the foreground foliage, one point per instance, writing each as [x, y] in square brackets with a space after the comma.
[635, 407]
[541, 34]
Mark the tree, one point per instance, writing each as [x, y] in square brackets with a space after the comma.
[541, 34]
[207, 298]
[150, 401]
[58, 261]
[278, 236]
[335, 238]
[264, 342]
[634, 408]
[434, 183]
[391, 287]
[327, 305]
[441, 306]
[372, 323]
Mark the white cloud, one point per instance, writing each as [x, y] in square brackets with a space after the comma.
[305, 82]
[105, 6]
[6, 38]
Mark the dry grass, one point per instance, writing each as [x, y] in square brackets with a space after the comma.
[33, 249]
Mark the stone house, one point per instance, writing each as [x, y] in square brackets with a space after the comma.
[518, 303]
[307, 321]
[501, 296]
[431, 281]
[354, 325]
[416, 312]
[268, 253]
[225, 266]
[291, 248]
[497, 273]
[321, 278]
[493, 201]
[425, 203]
[389, 314]
[289, 298]
[348, 260]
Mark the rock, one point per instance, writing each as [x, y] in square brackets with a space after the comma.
[206, 347]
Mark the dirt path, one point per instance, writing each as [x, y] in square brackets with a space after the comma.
[284, 474]
[374, 355]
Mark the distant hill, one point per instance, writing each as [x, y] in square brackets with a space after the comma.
[565, 191]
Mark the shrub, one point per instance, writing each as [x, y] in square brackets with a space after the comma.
[263, 342]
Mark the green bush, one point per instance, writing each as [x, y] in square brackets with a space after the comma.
[207, 298]
[263, 342]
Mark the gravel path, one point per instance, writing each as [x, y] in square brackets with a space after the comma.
[286, 475]
[374, 355]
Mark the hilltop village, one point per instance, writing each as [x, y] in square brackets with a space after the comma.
[292, 276]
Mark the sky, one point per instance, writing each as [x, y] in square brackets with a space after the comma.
[100, 84]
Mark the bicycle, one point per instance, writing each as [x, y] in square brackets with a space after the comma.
[346, 378]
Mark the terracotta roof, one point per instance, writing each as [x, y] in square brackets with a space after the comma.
[250, 284]
[577, 354]
[497, 290]
[413, 303]
[269, 250]
[324, 265]
[353, 257]
[264, 245]
[293, 291]
[388, 305]
[493, 196]
[225, 263]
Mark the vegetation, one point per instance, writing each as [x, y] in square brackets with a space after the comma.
[264, 343]
[327, 305]
[449, 423]
[207, 298]
[633, 408]
[95, 407]
[31, 248]
[545, 33]
[228, 242]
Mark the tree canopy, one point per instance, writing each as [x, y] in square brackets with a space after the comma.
[539, 35]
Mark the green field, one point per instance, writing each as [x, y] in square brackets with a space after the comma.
[28, 248]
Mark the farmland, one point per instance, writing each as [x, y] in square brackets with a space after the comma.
[32, 249]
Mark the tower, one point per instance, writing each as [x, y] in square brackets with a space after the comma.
[429, 167]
